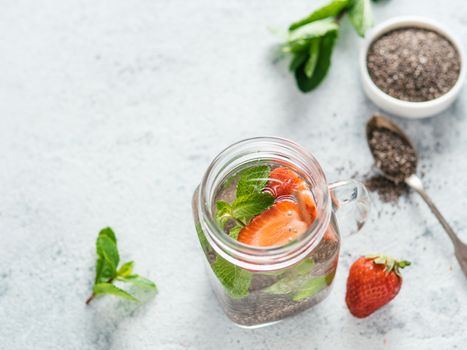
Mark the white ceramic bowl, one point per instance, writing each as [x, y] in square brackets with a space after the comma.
[406, 108]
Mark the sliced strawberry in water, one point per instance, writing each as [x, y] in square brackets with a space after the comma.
[286, 182]
[275, 226]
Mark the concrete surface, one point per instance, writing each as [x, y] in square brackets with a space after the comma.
[110, 113]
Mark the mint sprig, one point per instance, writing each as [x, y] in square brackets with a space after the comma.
[312, 39]
[107, 271]
[250, 201]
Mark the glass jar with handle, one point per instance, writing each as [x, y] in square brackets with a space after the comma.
[265, 218]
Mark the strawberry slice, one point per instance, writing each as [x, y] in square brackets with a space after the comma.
[275, 226]
[284, 181]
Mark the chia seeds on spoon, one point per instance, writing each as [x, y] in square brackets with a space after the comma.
[395, 157]
[392, 155]
[413, 64]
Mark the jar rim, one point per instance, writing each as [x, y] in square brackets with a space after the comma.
[255, 257]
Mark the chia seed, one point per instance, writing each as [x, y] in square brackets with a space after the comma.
[387, 190]
[413, 64]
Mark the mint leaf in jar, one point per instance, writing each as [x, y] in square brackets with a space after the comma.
[313, 286]
[235, 280]
[107, 271]
[310, 288]
[252, 180]
[250, 205]
[293, 279]
[235, 231]
[223, 213]
[202, 238]
[249, 199]
[299, 283]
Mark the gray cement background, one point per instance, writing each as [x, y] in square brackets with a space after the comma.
[110, 113]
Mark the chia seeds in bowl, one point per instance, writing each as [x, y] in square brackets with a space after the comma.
[412, 67]
[413, 64]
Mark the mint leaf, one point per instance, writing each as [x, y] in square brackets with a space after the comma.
[330, 10]
[361, 16]
[139, 281]
[109, 233]
[233, 233]
[298, 59]
[109, 288]
[299, 282]
[252, 179]
[305, 83]
[310, 288]
[235, 280]
[250, 200]
[311, 31]
[229, 181]
[106, 248]
[223, 213]
[313, 58]
[107, 255]
[311, 39]
[103, 271]
[106, 269]
[247, 206]
[126, 269]
[293, 279]
[202, 238]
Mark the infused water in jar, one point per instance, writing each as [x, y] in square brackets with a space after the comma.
[265, 218]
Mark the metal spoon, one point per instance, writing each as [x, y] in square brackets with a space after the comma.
[413, 181]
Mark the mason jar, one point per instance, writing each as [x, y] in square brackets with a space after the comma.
[258, 285]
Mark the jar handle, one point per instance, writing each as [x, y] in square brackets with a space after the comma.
[350, 198]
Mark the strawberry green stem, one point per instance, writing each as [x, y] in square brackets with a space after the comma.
[390, 263]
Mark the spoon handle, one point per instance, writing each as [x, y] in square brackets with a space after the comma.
[415, 183]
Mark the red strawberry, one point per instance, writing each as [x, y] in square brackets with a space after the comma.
[277, 225]
[284, 181]
[372, 283]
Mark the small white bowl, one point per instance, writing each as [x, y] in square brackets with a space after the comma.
[406, 108]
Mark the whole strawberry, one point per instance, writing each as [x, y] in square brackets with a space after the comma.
[372, 283]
